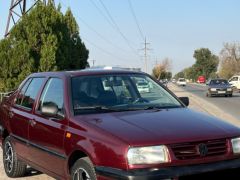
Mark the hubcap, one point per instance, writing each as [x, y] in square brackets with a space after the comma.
[8, 157]
[81, 174]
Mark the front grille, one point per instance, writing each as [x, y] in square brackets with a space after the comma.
[185, 151]
[221, 89]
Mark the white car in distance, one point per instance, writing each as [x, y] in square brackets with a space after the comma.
[235, 82]
[181, 82]
[143, 87]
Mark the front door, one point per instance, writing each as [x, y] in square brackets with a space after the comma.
[21, 114]
[46, 134]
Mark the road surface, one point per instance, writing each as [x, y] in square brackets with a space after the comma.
[230, 105]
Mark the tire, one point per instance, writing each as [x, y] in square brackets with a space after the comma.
[230, 95]
[209, 94]
[84, 168]
[12, 166]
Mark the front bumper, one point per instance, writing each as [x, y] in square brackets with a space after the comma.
[168, 172]
[217, 93]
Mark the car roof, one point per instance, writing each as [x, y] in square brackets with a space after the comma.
[84, 72]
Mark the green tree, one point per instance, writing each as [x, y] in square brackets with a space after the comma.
[206, 62]
[230, 60]
[179, 75]
[44, 40]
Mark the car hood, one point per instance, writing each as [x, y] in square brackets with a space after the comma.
[151, 127]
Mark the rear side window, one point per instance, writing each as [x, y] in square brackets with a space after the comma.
[53, 94]
[22, 91]
[31, 92]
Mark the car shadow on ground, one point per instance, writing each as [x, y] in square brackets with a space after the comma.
[32, 172]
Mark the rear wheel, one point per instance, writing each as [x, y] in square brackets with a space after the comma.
[83, 169]
[12, 165]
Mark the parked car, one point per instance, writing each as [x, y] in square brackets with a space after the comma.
[143, 86]
[181, 82]
[219, 87]
[235, 82]
[67, 125]
[201, 79]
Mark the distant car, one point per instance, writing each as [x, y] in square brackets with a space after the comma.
[173, 80]
[164, 82]
[217, 87]
[235, 82]
[143, 86]
[181, 82]
[201, 79]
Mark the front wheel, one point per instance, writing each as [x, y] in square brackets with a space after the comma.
[12, 166]
[83, 169]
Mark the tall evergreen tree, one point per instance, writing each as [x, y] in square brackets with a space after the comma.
[44, 40]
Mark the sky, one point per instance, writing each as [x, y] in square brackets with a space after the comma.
[114, 30]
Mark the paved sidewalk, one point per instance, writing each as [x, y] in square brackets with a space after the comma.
[202, 105]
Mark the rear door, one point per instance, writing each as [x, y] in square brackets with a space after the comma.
[20, 115]
[46, 133]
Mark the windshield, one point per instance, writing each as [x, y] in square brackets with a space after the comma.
[219, 82]
[118, 93]
[181, 80]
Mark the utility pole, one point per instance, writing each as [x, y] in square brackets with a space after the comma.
[17, 9]
[146, 49]
[93, 62]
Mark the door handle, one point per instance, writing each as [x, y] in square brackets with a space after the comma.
[32, 122]
[11, 114]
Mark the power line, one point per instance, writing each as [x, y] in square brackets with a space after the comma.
[136, 20]
[102, 13]
[97, 33]
[101, 49]
[117, 27]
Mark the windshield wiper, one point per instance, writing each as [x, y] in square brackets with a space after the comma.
[161, 107]
[97, 108]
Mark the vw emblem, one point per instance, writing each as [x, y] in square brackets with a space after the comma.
[202, 149]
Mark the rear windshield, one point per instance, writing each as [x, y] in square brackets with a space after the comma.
[119, 93]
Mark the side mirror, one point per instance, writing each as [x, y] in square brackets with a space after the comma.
[185, 100]
[50, 109]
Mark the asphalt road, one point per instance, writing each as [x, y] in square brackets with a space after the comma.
[230, 105]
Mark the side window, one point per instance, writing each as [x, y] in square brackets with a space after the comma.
[22, 91]
[31, 92]
[53, 94]
[234, 79]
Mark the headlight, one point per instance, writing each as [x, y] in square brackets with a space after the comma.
[236, 145]
[148, 155]
[213, 89]
[229, 89]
